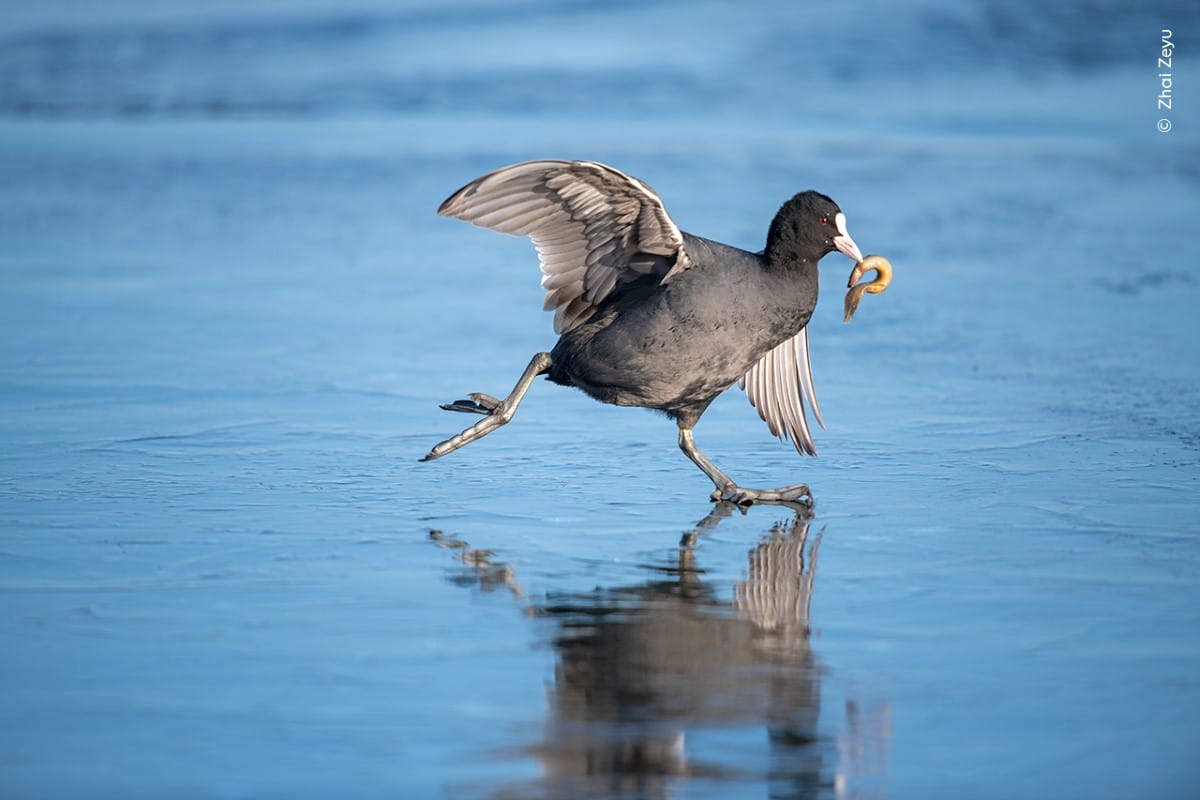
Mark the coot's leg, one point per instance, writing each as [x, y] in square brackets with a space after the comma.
[498, 411]
[729, 491]
[688, 445]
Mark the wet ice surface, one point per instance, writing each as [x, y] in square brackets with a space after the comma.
[228, 315]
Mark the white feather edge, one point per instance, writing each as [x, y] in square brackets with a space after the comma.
[504, 201]
[780, 386]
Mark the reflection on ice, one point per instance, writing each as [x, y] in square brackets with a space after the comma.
[652, 678]
[487, 574]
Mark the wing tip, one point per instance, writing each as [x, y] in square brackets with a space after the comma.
[452, 205]
[805, 448]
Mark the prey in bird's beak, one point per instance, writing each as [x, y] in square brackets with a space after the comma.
[883, 279]
[882, 267]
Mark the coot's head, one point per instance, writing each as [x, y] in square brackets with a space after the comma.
[810, 226]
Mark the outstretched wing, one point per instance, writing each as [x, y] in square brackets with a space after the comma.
[594, 227]
[779, 385]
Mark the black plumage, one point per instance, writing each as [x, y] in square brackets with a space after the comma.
[650, 316]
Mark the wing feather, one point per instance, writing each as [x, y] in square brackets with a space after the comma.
[550, 282]
[780, 387]
[594, 227]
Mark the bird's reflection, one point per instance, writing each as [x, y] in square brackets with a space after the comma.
[650, 679]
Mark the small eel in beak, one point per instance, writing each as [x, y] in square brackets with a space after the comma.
[883, 279]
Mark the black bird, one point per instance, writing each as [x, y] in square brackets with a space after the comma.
[650, 316]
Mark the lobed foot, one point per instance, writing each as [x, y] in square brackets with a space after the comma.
[794, 496]
[495, 412]
[477, 403]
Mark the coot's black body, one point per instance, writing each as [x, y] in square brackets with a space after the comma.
[676, 347]
[650, 316]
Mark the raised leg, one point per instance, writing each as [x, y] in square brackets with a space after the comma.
[498, 412]
[730, 492]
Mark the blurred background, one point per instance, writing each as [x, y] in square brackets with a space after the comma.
[228, 313]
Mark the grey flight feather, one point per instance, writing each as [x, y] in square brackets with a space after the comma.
[594, 228]
[778, 385]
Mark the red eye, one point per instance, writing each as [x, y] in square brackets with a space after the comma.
[823, 221]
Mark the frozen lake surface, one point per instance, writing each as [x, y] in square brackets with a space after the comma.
[228, 313]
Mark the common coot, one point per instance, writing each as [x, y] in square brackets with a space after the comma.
[651, 316]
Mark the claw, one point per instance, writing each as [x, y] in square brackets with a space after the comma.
[883, 279]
